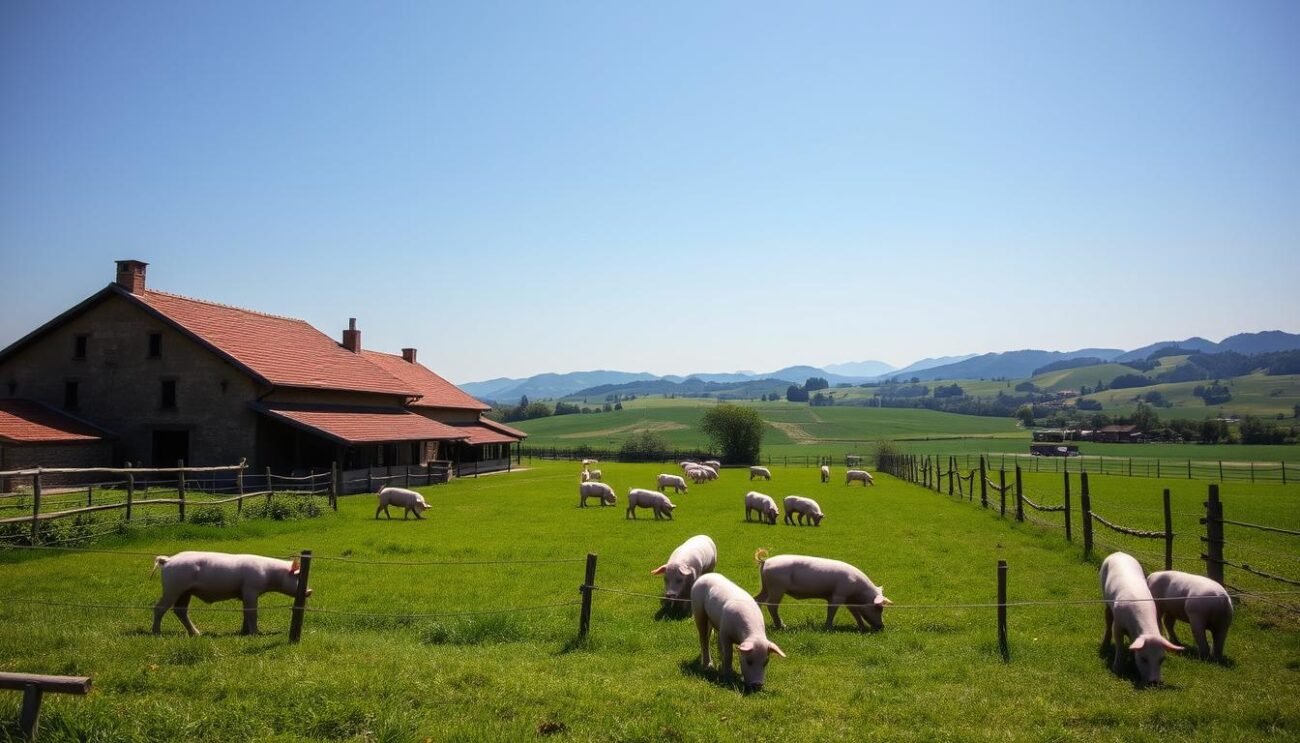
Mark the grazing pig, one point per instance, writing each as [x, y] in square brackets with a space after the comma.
[587, 462]
[714, 465]
[839, 583]
[797, 505]
[697, 475]
[762, 472]
[585, 476]
[719, 605]
[217, 576]
[763, 504]
[1131, 613]
[695, 557]
[1197, 600]
[596, 490]
[826, 473]
[861, 476]
[595, 475]
[657, 502]
[409, 500]
[672, 481]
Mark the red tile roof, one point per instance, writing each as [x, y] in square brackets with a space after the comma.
[503, 428]
[281, 350]
[435, 391]
[361, 425]
[481, 434]
[30, 422]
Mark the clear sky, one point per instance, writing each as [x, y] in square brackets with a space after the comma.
[669, 187]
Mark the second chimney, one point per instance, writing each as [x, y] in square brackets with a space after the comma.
[130, 275]
[408, 355]
[352, 336]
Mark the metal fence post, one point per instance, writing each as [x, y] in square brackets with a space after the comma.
[588, 582]
[1214, 536]
[300, 597]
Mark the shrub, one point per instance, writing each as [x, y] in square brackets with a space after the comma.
[209, 516]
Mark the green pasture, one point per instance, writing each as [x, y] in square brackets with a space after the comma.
[1073, 379]
[480, 650]
[1254, 394]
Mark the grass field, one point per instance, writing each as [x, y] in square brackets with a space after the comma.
[395, 653]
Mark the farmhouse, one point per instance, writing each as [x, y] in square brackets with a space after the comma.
[135, 374]
[1119, 435]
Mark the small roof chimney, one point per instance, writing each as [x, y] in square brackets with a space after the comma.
[130, 275]
[408, 355]
[352, 336]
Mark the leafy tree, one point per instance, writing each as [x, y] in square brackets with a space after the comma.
[566, 408]
[1127, 381]
[1213, 430]
[1026, 386]
[618, 405]
[815, 383]
[952, 390]
[1026, 414]
[795, 393]
[735, 431]
[1088, 404]
[644, 445]
[1145, 417]
[536, 410]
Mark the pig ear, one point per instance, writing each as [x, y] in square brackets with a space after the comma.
[1138, 644]
[1170, 646]
[659, 570]
[882, 601]
[772, 647]
[295, 566]
[685, 570]
[745, 646]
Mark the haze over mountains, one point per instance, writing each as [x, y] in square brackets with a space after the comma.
[1008, 364]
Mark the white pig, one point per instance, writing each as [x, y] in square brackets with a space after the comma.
[762, 472]
[596, 490]
[797, 505]
[1131, 613]
[217, 576]
[1197, 600]
[695, 557]
[763, 504]
[409, 500]
[657, 502]
[839, 583]
[714, 465]
[672, 481]
[719, 605]
[826, 473]
[861, 476]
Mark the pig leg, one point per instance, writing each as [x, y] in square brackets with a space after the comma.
[773, 606]
[631, 512]
[724, 655]
[1105, 635]
[788, 516]
[832, 606]
[1117, 665]
[160, 610]
[702, 624]
[669, 513]
[1220, 630]
[1170, 621]
[250, 614]
[1198, 634]
[416, 511]
[182, 611]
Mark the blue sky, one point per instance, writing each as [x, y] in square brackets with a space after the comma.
[668, 187]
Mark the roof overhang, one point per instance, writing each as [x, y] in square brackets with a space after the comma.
[27, 422]
[360, 425]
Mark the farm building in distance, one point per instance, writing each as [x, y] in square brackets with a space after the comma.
[134, 374]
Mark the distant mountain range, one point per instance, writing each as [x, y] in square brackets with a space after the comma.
[1009, 364]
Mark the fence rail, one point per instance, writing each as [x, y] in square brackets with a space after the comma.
[1156, 467]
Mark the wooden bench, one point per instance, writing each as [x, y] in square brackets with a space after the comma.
[33, 686]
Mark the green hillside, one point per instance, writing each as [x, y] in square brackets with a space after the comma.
[1073, 379]
[1254, 394]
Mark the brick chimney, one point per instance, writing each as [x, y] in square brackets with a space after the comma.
[408, 355]
[352, 336]
[130, 275]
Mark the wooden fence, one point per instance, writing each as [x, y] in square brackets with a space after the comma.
[579, 453]
[1187, 469]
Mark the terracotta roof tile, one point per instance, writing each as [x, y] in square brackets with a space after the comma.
[30, 422]
[435, 391]
[281, 350]
[503, 428]
[351, 425]
[481, 434]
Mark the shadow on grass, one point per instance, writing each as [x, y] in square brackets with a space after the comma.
[711, 675]
[673, 611]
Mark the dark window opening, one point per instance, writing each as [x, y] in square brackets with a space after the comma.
[169, 394]
[13, 388]
[170, 447]
[70, 395]
[79, 347]
[155, 345]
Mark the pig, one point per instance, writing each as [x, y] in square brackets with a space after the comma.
[839, 583]
[762, 472]
[595, 475]
[714, 465]
[657, 502]
[672, 481]
[861, 476]
[1197, 600]
[1131, 613]
[409, 500]
[763, 505]
[695, 557]
[584, 476]
[797, 505]
[596, 490]
[719, 605]
[826, 473]
[217, 576]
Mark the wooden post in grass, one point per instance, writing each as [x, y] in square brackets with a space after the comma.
[1068, 536]
[130, 491]
[1002, 492]
[588, 583]
[1220, 470]
[1284, 473]
[1020, 497]
[300, 597]
[239, 490]
[90, 494]
[1002, 611]
[180, 488]
[950, 475]
[335, 477]
[36, 505]
[1213, 536]
[1169, 534]
[269, 490]
[984, 485]
[1157, 469]
[1085, 503]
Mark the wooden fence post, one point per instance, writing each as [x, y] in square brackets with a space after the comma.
[90, 494]
[1214, 536]
[407, 482]
[984, 485]
[1002, 611]
[1085, 504]
[300, 596]
[130, 492]
[1284, 473]
[1220, 470]
[334, 485]
[370, 480]
[588, 582]
[180, 488]
[1020, 496]
[239, 490]
[1068, 536]
[1002, 489]
[269, 489]
[1169, 534]
[36, 505]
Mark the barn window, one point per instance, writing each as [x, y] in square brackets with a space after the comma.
[155, 345]
[79, 346]
[70, 401]
[169, 394]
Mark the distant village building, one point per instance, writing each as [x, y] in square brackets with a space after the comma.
[134, 374]
[1117, 434]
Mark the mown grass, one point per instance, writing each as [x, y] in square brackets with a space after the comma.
[934, 673]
